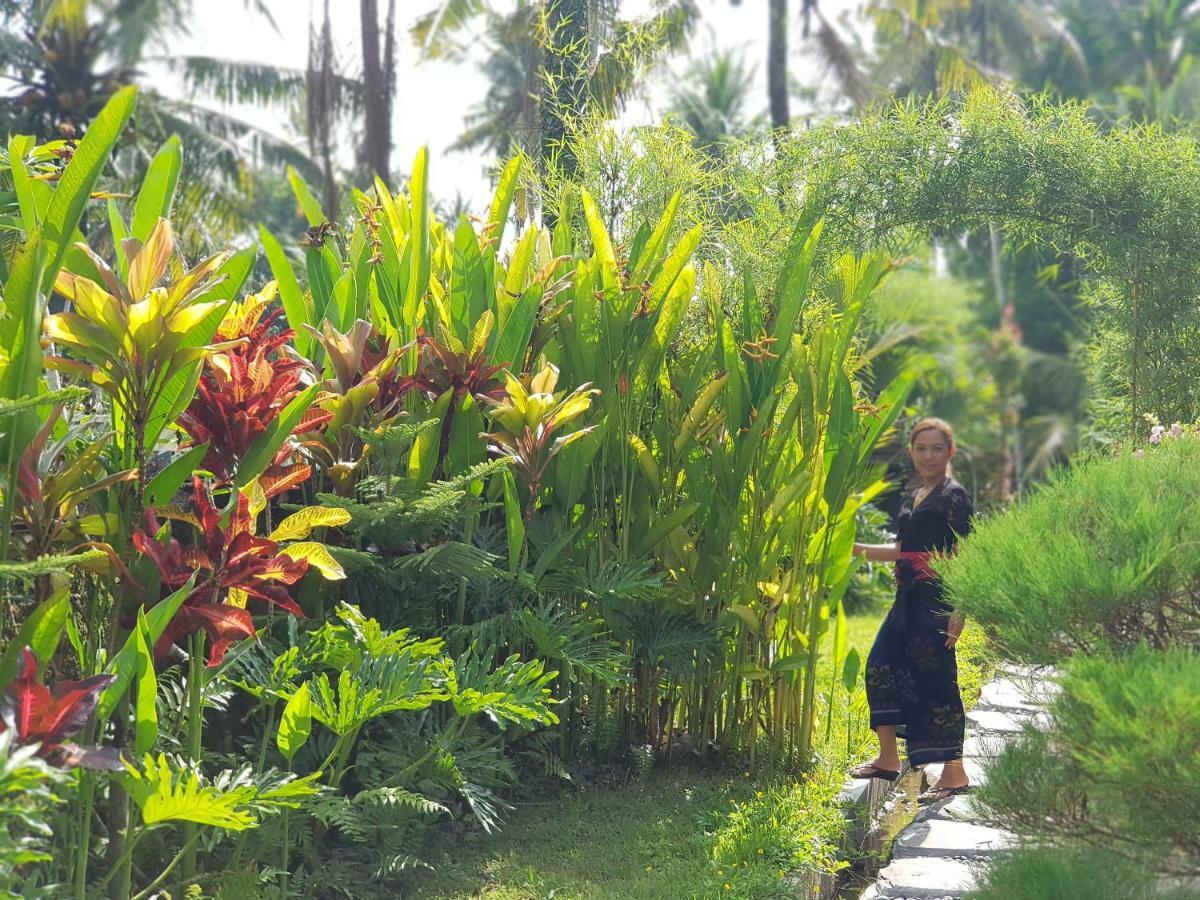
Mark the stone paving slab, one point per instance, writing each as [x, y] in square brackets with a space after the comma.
[937, 856]
[948, 838]
[960, 809]
[984, 747]
[922, 878]
[994, 720]
[1005, 694]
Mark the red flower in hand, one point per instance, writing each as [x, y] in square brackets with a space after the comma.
[230, 559]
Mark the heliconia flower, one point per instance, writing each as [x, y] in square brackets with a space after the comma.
[1176, 430]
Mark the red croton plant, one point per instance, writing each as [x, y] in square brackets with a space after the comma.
[229, 560]
[49, 716]
[242, 391]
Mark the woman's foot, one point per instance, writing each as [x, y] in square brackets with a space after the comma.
[939, 792]
[953, 781]
[887, 769]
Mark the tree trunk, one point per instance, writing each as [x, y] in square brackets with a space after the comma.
[777, 67]
[377, 138]
[564, 79]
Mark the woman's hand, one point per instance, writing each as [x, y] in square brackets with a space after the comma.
[954, 629]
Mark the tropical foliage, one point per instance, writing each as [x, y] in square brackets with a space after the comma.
[328, 552]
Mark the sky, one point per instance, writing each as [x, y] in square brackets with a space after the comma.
[432, 96]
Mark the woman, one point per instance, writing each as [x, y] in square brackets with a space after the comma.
[912, 673]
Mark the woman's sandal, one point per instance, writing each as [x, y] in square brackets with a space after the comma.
[868, 770]
[938, 794]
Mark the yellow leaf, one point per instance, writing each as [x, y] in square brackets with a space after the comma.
[318, 557]
[544, 381]
[747, 615]
[238, 598]
[483, 328]
[300, 525]
[150, 264]
[257, 499]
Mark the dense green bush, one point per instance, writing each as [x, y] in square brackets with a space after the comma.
[1117, 767]
[1043, 874]
[1104, 555]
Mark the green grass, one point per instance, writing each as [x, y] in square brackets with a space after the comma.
[676, 834]
[654, 840]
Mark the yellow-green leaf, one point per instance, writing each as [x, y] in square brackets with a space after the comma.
[318, 557]
[300, 525]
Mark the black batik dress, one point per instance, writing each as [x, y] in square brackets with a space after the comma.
[912, 676]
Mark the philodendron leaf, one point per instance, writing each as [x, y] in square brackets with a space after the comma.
[296, 723]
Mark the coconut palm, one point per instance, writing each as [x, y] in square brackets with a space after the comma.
[710, 99]
[550, 63]
[1141, 57]
[63, 60]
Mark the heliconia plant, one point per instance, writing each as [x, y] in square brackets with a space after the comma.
[676, 506]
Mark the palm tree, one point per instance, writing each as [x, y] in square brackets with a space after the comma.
[63, 59]
[1141, 57]
[711, 98]
[379, 84]
[552, 63]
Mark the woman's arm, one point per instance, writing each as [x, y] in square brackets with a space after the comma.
[878, 552]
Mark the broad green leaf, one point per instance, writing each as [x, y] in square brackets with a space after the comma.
[513, 520]
[295, 304]
[512, 339]
[300, 524]
[40, 632]
[267, 444]
[163, 486]
[124, 663]
[605, 256]
[665, 525]
[502, 200]
[296, 723]
[424, 455]
[850, 670]
[417, 246]
[840, 636]
[653, 247]
[79, 177]
[308, 203]
[158, 188]
[145, 710]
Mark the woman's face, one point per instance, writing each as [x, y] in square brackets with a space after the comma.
[930, 451]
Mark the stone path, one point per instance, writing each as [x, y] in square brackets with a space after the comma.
[938, 855]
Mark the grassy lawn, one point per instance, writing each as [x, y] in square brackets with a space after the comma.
[674, 835]
[649, 841]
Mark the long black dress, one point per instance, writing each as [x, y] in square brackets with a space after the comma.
[912, 677]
